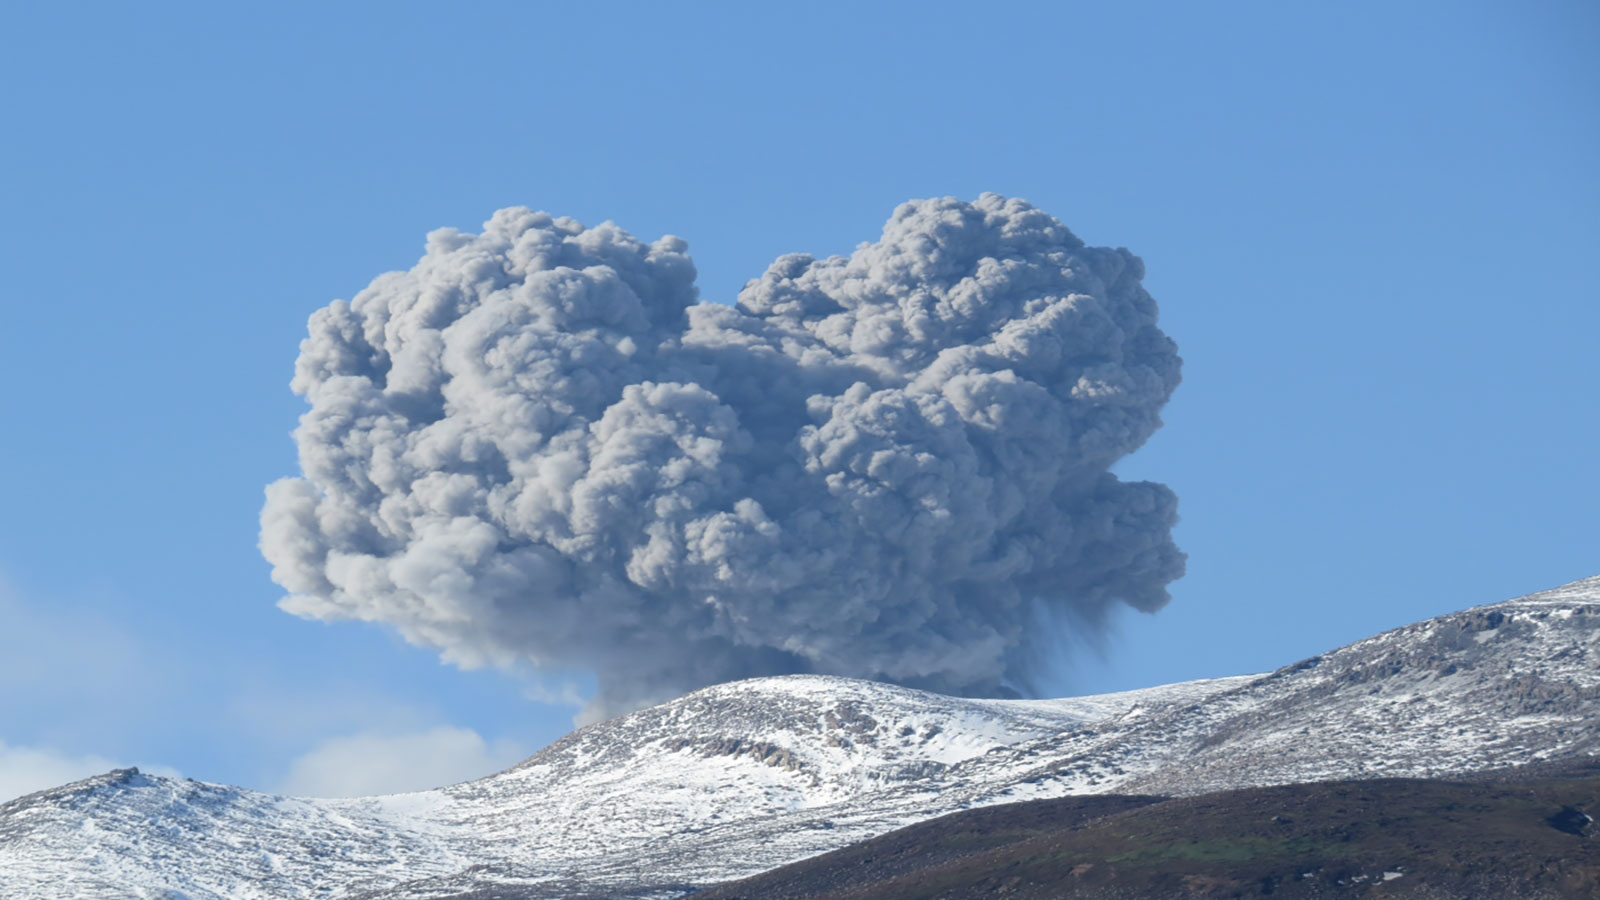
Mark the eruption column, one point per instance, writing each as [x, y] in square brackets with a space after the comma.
[537, 445]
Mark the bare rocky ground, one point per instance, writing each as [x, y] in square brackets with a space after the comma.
[1524, 833]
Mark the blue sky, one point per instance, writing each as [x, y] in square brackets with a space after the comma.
[1369, 228]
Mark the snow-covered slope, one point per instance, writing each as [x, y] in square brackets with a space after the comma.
[742, 777]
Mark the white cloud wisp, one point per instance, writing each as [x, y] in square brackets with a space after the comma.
[374, 763]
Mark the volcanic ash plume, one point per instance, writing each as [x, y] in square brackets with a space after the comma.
[537, 445]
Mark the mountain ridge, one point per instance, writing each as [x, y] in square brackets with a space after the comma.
[739, 778]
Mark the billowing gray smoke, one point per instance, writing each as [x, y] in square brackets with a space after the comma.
[537, 445]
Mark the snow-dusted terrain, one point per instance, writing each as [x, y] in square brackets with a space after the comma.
[742, 777]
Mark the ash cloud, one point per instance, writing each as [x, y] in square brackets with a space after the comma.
[538, 446]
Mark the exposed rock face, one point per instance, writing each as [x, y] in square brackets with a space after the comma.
[740, 778]
[1571, 820]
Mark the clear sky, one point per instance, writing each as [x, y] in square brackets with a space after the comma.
[1370, 227]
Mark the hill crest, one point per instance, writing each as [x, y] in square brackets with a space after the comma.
[740, 778]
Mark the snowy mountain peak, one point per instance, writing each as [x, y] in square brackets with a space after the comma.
[833, 730]
[742, 777]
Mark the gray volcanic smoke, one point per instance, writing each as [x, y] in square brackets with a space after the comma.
[537, 445]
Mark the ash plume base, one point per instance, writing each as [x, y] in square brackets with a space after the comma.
[537, 445]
